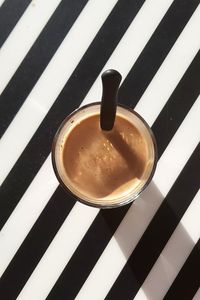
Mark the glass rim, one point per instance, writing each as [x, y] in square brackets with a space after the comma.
[98, 205]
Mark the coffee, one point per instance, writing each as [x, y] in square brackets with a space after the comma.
[104, 164]
[104, 167]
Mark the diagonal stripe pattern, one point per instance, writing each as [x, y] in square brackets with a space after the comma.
[97, 254]
[9, 16]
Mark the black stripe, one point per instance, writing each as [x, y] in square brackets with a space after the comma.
[61, 290]
[178, 105]
[37, 59]
[10, 13]
[71, 96]
[159, 230]
[35, 244]
[187, 281]
[87, 253]
[156, 50]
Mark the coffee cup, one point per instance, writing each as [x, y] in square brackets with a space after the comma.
[104, 169]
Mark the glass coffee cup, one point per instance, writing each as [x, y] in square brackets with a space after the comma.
[104, 169]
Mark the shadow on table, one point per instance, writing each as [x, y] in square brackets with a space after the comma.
[136, 221]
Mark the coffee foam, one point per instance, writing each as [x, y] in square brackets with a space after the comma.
[104, 165]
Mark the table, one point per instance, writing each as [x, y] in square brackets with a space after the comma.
[51, 58]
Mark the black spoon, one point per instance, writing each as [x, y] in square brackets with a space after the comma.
[110, 81]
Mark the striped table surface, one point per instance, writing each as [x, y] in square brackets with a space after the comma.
[51, 58]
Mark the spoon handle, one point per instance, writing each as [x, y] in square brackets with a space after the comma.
[110, 81]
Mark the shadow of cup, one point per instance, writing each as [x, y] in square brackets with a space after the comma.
[147, 242]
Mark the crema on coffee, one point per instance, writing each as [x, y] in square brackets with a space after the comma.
[104, 167]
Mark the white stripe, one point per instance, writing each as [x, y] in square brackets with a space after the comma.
[49, 86]
[133, 42]
[34, 200]
[1, 2]
[51, 82]
[27, 30]
[26, 213]
[191, 220]
[173, 255]
[189, 125]
[142, 211]
[197, 295]
[25, 207]
[174, 66]
[59, 252]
